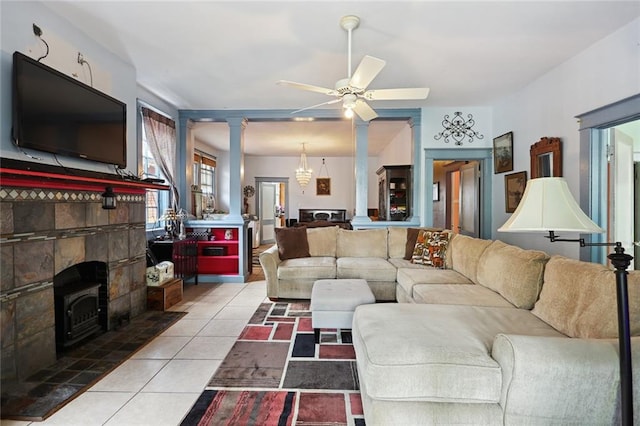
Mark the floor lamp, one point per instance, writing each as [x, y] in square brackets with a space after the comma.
[548, 206]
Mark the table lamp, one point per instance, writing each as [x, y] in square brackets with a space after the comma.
[548, 206]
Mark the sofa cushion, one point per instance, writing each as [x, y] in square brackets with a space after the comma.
[457, 294]
[292, 243]
[362, 243]
[368, 268]
[579, 299]
[464, 254]
[513, 272]
[396, 241]
[408, 277]
[440, 353]
[307, 268]
[322, 241]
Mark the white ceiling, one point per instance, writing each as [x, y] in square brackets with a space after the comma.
[229, 54]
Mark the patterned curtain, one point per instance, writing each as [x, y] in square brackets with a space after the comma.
[161, 137]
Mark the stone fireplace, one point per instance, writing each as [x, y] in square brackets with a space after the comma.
[48, 223]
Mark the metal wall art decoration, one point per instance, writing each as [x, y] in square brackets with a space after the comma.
[458, 128]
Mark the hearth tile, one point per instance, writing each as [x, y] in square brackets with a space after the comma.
[43, 404]
[6, 217]
[97, 354]
[68, 252]
[85, 378]
[82, 364]
[62, 376]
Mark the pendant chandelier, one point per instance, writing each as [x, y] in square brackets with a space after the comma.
[303, 172]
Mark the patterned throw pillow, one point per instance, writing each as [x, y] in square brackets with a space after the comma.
[419, 246]
[435, 249]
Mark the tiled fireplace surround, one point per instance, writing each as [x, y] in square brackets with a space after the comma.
[46, 226]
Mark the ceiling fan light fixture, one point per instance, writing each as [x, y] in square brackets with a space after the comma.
[348, 112]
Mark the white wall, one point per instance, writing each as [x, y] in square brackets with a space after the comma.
[604, 73]
[340, 170]
[110, 74]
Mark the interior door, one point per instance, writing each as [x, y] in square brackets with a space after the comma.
[469, 219]
[268, 201]
[621, 227]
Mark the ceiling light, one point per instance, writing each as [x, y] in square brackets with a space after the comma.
[303, 172]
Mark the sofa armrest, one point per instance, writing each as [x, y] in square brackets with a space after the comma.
[564, 380]
[269, 260]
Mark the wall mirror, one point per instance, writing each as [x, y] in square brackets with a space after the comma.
[546, 158]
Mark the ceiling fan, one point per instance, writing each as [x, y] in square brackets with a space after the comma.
[352, 91]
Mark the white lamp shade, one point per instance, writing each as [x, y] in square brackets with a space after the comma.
[547, 205]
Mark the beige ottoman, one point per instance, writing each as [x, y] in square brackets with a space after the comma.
[333, 303]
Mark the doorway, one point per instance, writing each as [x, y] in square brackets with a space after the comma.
[458, 190]
[272, 199]
[620, 157]
[460, 209]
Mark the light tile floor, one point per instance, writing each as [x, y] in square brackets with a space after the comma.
[159, 384]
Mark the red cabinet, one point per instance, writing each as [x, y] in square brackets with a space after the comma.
[219, 256]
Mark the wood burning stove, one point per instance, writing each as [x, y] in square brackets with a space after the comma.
[80, 303]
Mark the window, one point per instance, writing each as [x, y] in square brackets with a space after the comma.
[157, 201]
[204, 172]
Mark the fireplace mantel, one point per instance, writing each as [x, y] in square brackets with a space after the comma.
[23, 174]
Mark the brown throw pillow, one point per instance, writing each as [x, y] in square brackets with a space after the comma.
[292, 242]
[412, 236]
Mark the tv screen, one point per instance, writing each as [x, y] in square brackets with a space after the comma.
[52, 112]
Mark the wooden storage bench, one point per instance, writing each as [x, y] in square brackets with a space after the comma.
[164, 296]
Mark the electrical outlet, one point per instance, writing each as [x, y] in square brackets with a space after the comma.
[36, 30]
[80, 58]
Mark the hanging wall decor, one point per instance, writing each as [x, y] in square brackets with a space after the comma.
[458, 128]
[323, 184]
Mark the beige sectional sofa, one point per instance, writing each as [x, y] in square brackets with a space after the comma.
[501, 336]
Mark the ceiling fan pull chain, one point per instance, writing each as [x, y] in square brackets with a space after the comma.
[349, 53]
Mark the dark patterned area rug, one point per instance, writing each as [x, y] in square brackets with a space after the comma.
[276, 375]
[48, 390]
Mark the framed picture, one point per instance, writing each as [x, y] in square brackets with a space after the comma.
[514, 185]
[503, 153]
[323, 186]
[436, 191]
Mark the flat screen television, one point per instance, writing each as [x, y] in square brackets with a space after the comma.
[55, 113]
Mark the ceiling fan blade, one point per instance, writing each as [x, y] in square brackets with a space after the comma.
[365, 73]
[397, 94]
[309, 87]
[364, 111]
[332, 101]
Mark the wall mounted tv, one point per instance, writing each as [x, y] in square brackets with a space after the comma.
[55, 113]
